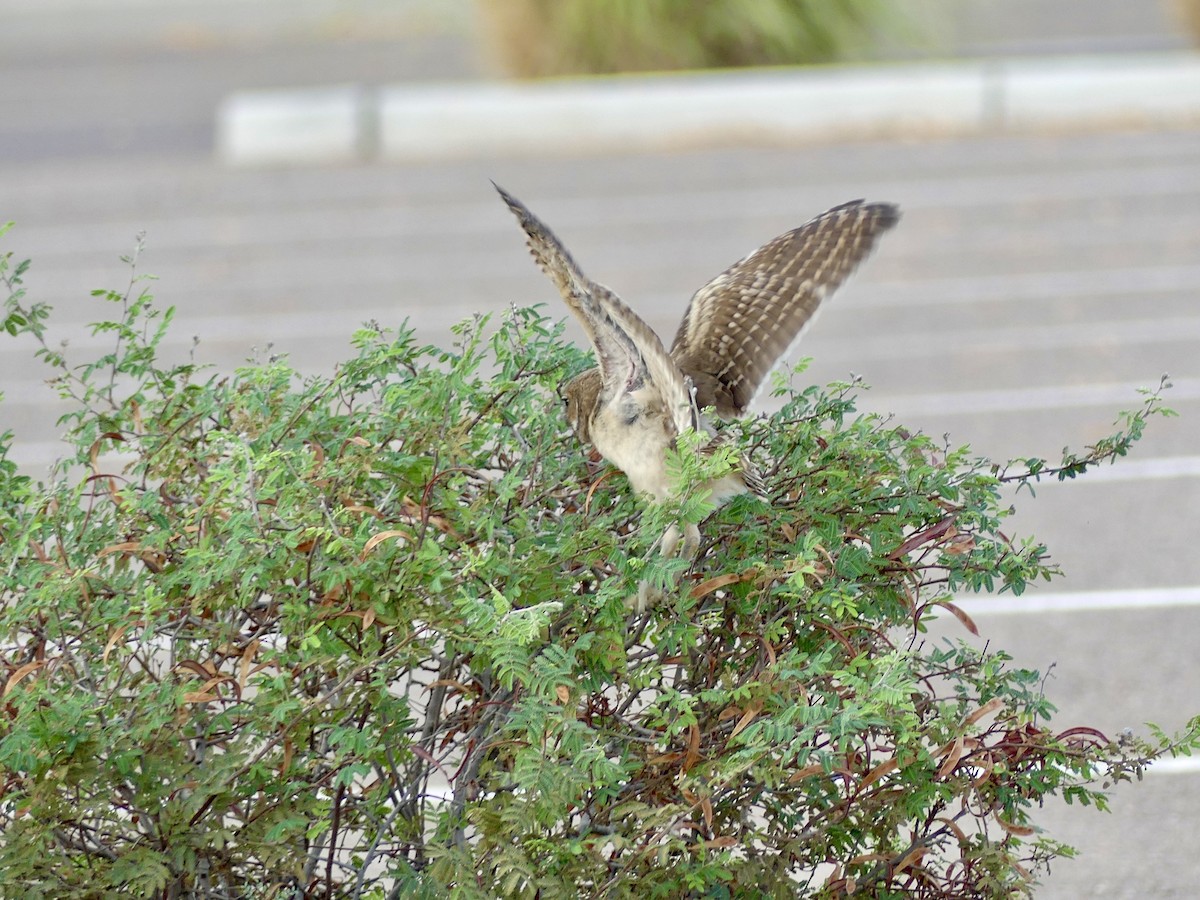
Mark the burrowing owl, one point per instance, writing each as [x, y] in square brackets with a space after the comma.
[640, 397]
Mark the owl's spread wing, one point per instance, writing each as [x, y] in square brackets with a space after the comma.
[739, 325]
[628, 351]
[615, 351]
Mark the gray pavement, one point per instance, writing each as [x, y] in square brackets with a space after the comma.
[1035, 281]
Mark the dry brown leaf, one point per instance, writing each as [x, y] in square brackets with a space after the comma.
[662, 758]
[358, 507]
[952, 757]
[911, 858]
[587, 503]
[247, 660]
[218, 680]
[806, 772]
[934, 533]
[960, 614]
[1012, 828]
[985, 764]
[1082, 734]
[986, 710]
[94, 450]
[114, 638]
[289, 750]
[203, 670]
[20, 674]
[953, 826]
[748, 716]
[122, 547]
[867, 857]
[771, 657]
[959, 545]
[376, 539]
[878, 772]
[704, 588]
[693, 751]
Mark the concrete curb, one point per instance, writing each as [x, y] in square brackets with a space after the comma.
[400, 122]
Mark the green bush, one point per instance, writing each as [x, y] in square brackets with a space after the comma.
[366, 636]
[555, 37]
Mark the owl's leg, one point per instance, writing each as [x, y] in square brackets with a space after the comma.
[648, 596]
[670, 540]
[690, 536]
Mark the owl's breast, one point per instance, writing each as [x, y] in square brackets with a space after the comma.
[633, 435]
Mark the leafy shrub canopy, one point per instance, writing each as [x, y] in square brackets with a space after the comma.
[366, 635]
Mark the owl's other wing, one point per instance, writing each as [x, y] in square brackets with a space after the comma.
[739, 325]
[621, 359]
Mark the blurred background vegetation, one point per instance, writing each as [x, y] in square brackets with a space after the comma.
[1188, 12]
[532, 38]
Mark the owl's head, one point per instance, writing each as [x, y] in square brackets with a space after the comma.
[580, 396]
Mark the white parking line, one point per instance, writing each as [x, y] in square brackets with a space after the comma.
[1144, 470]
[1025, 286]
[1057, 396]
[1179, 765]
[1102, 335]
[1082, 601]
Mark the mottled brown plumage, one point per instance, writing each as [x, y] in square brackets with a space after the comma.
[740, 324]
[640, 397]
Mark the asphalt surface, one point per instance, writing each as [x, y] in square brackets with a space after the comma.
[1035, 282]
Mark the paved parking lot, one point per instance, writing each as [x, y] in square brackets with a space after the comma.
[1035, 282]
